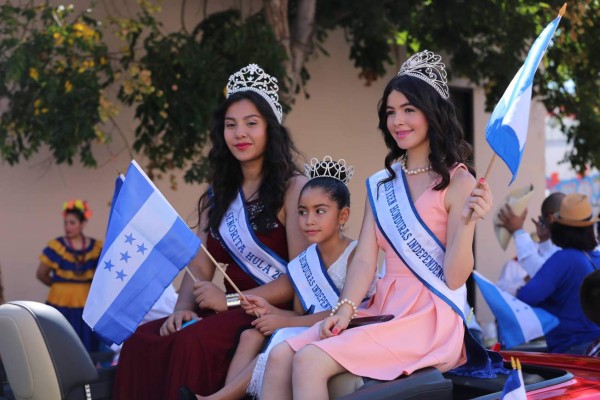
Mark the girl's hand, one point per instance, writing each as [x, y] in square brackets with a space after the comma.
[480, 201]
[256, 305]
[333, 326]
[209, 296]
[173, 323]
[267, 324]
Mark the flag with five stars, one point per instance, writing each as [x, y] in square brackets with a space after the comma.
[146, 246]
[518, 322]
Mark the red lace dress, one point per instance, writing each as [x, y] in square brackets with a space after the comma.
[154, 367]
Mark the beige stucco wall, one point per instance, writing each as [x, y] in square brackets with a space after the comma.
[339, 120]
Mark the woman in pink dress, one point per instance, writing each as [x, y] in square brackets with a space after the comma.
[418, 214]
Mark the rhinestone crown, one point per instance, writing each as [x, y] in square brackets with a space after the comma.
[428, 67]
[329, 168]
[254, 78]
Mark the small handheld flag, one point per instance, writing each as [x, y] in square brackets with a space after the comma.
[506, 131]
[518, 322]
[514, 388]
[146, 246]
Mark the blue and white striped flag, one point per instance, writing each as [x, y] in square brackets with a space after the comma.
[506, 131]
[146, 246]
[118, 184]
[514, 387]
[518, 322]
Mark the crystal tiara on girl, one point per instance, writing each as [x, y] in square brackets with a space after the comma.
[428, 67]
[254, 78]
[329, 168]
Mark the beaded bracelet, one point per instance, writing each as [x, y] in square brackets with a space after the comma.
[341, 303]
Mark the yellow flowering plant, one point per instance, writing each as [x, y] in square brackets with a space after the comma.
[53, 71]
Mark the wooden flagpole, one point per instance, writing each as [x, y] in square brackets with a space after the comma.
[194, 279]
[223, 272]
[561, 12]
[479, 185]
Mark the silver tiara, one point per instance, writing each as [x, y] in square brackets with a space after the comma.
[329, 168]
[254, 78]
[427, 66]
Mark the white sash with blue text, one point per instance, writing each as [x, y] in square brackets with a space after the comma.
[312, 283]
[256, 259]
[410, 238]
[317, 293]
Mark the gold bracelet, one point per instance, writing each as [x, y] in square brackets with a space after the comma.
[233, 300]
[341, 303]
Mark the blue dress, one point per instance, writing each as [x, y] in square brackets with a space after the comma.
[555, 288]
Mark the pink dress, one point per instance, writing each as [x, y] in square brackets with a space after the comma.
[425, 332]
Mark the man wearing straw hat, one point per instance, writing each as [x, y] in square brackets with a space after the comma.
[530, 255]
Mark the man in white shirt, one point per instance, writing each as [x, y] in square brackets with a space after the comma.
[530, 255]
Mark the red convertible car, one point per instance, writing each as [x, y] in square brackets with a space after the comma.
[581, 381]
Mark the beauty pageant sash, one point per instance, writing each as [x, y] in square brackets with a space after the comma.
[312, 283]
[317, 293]
[410, 238]
[256, 259]
[423, 253]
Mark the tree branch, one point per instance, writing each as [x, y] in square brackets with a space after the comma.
[303, 34]
[276, 12]
[182, 16]
[298, 46]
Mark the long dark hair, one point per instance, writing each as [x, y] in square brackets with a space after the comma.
[573, 237]
[225, 176]
[446, 139]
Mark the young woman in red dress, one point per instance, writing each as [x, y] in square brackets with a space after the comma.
[248, 220]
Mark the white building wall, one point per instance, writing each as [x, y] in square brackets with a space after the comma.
[339, 119]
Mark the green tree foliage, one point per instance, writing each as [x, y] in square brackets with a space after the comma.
[52, 79]
[175, 79]
[178, 79]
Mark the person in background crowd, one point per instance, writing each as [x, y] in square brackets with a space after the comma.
[530, 255]
[67, 266]
[556, 286]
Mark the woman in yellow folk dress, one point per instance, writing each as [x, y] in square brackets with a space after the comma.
[67, 265]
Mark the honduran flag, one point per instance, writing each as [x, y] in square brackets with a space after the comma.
[514, 387]
[506, 131]
[146, 246]
[518, 322]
